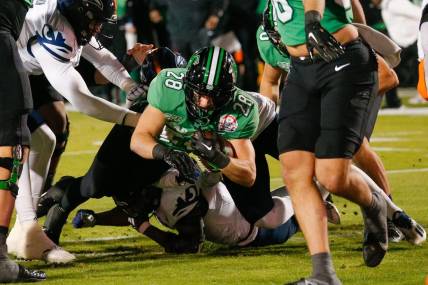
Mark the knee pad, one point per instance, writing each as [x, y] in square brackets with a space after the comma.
[14, 165]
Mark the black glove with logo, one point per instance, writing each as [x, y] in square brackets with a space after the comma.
[210, 149]
[179, 160]
[317, 38]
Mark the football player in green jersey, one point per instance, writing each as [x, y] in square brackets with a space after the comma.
[329, 89]
[200, 99]
[15, 102]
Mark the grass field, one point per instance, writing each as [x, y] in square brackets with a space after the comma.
[107, 255]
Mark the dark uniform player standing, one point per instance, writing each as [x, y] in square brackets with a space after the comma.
[15, 102]
[328, 93]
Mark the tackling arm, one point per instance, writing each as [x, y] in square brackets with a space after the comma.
[68, 82]
[147, 130]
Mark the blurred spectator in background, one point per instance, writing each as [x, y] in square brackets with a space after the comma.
[243, 18]
[190, 23]
[399, 19]
[148, 19]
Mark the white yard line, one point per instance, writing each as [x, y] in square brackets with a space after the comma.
[80, 152]
[396, 171]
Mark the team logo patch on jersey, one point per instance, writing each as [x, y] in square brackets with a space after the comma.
[172, 118]
[53, 42]
[227, 123]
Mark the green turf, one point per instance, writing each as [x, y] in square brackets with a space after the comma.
[136, 260]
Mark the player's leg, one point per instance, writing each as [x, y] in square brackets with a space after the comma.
[56, 118]
[412, 231]
[15, 101]
[297, 133]
[27, 240]
[348, 96]
[85, 218]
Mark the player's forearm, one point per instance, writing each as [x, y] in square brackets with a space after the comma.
[143, 144]
[110, 67]
[241, 171]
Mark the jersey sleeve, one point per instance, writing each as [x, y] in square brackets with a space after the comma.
[242, 120]
[154, 96]
[269, 52]
[251, 123]
[68, 82]
[109, 66]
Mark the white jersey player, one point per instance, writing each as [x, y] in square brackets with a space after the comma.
[56, 33]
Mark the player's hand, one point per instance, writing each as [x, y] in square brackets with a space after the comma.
[272, 33]
[181, 244]
[210, 149]
[140, 51]
[139, 91]
[179, 160]
[317, 38]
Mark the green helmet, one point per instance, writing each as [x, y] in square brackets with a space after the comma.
[211, 71]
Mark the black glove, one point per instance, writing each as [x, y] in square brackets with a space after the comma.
[180, 244]
[317, 38]
[272, 32]
[210, 149]
[179, 160]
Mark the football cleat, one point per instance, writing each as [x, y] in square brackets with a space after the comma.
[375, 232]
[29, 275]
[413, 232]
[84, 219]
[333, 215]
[29, 242]
[309, 281]
[55, 221]
[53, 195]
[394, 234]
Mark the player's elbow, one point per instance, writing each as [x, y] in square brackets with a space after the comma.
[249, 177]
[134, 142]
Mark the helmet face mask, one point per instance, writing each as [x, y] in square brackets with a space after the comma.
[87, 18]
[211, 72]
[157, 60]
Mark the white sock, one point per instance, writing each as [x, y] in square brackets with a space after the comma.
[42, 146]
[281, 212]
[392, 208]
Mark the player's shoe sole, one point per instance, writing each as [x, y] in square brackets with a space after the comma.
[413, 232]
[333, 215]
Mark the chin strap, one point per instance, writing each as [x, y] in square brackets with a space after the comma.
[14, 165]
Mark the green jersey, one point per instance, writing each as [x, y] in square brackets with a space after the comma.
[237, 120]
[269, 53]
[289, 16]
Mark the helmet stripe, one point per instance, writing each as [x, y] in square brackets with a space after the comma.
[213, 67]
[219, 64]
[208, 67]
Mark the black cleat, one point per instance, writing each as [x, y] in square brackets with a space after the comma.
[375, 231]
[55, 221]
[53, 195]
[29, 275]
[394, 234]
